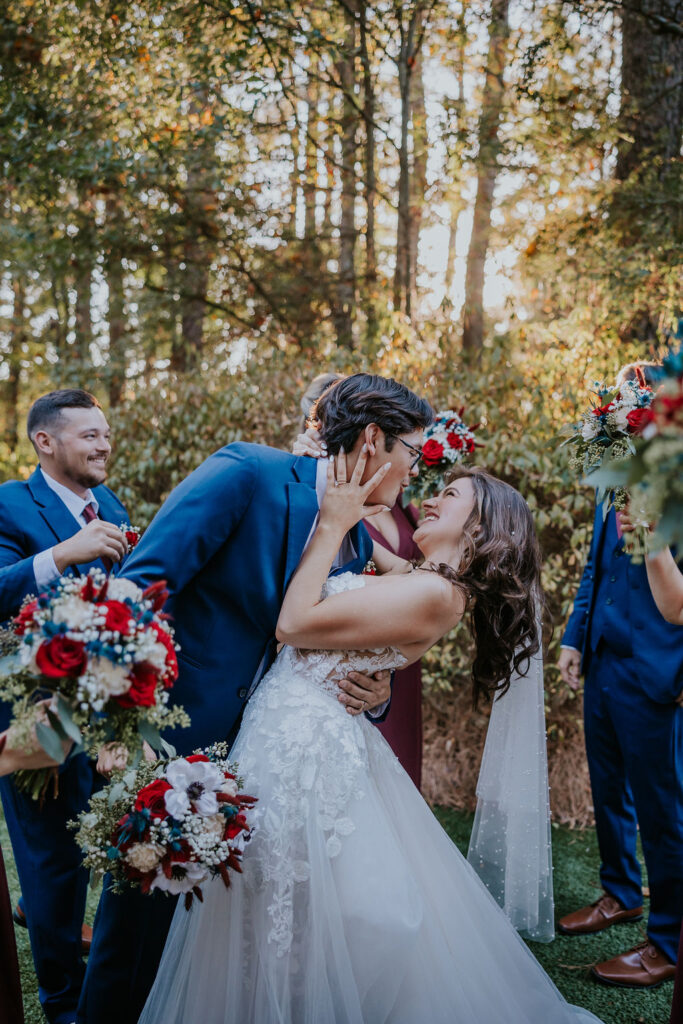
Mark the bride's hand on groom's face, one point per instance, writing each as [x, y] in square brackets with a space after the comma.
[310, 444]
[345, 498]
[362, 693]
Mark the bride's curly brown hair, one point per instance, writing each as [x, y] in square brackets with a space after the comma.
[500, 571]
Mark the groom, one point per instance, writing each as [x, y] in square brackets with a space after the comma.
[227, 542]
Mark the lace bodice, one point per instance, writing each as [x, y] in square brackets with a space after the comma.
[325, 667]
[299, 740]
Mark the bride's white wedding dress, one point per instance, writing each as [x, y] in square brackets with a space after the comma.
[354, 907]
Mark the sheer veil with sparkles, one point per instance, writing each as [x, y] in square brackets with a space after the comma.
[510, 846]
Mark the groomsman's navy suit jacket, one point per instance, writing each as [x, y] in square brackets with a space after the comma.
[614, 598]
[54, 884]
[227, 541]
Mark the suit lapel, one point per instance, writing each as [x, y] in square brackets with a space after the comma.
[302, 510]
[52, 509]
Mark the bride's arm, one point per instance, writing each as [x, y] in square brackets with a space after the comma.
[387, 562]
[412, 610]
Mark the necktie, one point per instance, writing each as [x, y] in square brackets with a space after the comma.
[89, 514]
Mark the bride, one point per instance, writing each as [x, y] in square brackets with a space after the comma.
[355, 907]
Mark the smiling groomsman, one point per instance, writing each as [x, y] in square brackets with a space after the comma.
[61, 520]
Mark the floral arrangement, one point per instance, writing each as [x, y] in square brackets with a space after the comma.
[103, 651]
[168, 825]
[447, 441]
[607, 431]
[653, 471]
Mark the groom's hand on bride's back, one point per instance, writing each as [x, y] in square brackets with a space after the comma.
[361, 693]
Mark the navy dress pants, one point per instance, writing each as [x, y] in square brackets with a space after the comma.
[128, 939]
[53, 883]
[634, 747]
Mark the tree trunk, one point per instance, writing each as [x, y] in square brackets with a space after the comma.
[82, 311]
[17, 335]
[418, 182]
[310, 182]
[406, 62]
[115, 310]
[346, 279]
[370, 177]
[651, 86]
[487, 170]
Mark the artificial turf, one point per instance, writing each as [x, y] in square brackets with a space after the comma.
[567, 960]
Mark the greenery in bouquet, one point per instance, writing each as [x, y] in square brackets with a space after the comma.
[102, 652]
[447, 442]
[607, 432]
[168, 825]
[653, 472]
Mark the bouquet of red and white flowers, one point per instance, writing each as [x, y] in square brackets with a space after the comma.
[653, 472]
[102, 650]
[168, 825]
[607, 431]
[447, 442]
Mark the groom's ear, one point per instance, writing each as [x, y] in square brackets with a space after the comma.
[371, 432]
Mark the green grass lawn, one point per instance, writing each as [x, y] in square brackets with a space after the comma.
[567, 960]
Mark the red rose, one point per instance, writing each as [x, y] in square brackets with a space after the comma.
[454, 440]
[24, 618]
[432, 452]
[60, 657]
[118, 616]
[638, 419]
[196, 757]
[602, 410]
[132, 537]
[668, 410]
[142, 690]
[151, 798]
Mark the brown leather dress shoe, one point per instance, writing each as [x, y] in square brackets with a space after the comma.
[644, 966]
[86, 931]
[599, 915]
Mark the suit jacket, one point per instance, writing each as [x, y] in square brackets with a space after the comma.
[33, 518]
[626, 600]
[227, 541]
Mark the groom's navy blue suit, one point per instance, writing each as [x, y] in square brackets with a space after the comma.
[227, 542]
[53, 883]
[633, 668]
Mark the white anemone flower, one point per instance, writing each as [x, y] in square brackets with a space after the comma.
[590, 429]
[183, 879]
[195, 784]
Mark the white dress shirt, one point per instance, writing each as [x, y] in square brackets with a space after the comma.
[44, 568]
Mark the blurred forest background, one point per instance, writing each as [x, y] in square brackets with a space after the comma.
[205, 204]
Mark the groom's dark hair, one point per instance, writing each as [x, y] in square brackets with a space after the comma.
[346, 408]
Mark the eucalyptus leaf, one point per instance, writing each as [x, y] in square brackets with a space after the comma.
[150, 735]
[50, 742]
[64, 711]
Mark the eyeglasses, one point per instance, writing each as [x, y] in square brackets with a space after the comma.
[411, 448]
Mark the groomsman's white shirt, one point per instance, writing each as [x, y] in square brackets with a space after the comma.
[44, 568]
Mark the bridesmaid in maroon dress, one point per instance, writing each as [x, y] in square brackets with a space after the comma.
[402, 728]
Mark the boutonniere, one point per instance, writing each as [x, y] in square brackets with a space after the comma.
[370, 569]
[132, 535]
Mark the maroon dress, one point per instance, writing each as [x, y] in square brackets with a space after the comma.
[402, 728]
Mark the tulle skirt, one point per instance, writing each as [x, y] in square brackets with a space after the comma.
[354, 908]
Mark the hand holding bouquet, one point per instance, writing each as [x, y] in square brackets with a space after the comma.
[168, 825]
[104, 653]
